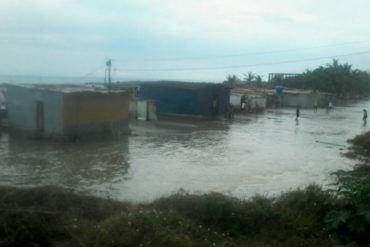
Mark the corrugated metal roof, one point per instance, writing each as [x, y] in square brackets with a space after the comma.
[252, 91]
[296, 91]
[179, 84]
[66, 88]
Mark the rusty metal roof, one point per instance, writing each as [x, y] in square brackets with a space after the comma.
[66, 88]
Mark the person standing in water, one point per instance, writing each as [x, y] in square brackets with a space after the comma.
[230, 111]
[297, 113]
[330, 106]
[364, 118]
[215, 105]
[315, 106]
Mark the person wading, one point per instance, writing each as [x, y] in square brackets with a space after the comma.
[364, 118]
[297, 113]
[230, 111]
[315, 106]
[215, 105]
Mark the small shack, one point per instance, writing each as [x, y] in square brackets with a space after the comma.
[67, 110]
[254, 99]
[305, 98]
[186, 98]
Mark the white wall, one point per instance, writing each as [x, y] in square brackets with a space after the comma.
[259, 101]
[303, 100]
[235, 99]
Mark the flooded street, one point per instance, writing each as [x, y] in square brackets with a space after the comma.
[265, 154]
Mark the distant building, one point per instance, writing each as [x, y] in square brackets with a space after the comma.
[254, 99]
[185, 98]
[305, 98]
[273, 77]
[66, 110]
[278, 97]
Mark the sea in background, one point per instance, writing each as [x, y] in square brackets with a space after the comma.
[32, 79]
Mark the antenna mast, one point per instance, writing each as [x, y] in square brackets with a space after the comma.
[109, 65]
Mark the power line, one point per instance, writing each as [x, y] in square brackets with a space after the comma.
[92, 72]
[253, 65]
[250, 53]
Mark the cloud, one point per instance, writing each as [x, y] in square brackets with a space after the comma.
[70, 36]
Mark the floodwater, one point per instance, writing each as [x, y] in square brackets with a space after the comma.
[253, 154]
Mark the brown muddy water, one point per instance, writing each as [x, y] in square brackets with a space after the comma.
[264, 154]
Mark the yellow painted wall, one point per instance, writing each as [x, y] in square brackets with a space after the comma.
[95, 108]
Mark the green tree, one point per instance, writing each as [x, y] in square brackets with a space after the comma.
[253, 80]
[250, 77]
[336, 78]
[232, 81]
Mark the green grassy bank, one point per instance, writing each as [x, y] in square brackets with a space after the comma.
[53, 217]
[50, 216]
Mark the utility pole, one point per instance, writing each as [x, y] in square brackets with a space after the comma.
[109, 65]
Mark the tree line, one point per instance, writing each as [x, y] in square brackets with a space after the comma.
[250, 79]
[339, 79]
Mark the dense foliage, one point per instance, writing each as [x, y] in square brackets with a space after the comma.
[53, 217]
[360, 148]
[349, 218]
[249, 80]
[339, 79]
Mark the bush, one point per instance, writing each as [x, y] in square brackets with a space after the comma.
[350, 218]
[360, 148]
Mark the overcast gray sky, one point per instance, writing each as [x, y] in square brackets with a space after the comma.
[198, 40]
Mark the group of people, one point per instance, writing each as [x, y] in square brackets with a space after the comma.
[315, 107]
[230, 110]
[330, 107]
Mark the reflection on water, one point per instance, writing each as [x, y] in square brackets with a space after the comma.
[79, 165]
[264, 154]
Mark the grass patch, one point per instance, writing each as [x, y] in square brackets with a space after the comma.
[50, 216]
[360, 147]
